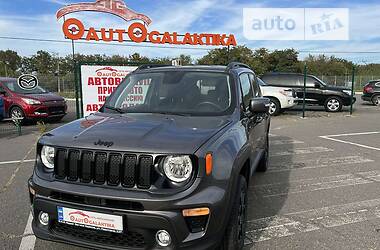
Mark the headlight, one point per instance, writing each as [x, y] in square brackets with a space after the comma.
[348, 92]
[178, 168]
[287, 93]
[47, 156]
[31, 101]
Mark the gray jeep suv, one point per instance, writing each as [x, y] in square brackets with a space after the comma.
[167, 171]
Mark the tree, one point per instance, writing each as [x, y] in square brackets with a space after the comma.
[10, 62]
[284, 61]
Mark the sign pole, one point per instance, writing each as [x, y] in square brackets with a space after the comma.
[352, 89]
[75, 80]
[304, 91]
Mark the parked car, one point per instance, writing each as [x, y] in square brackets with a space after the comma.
[333, 98]
[371, 92]
[33, 104]
[169, 173]
[280, 98]
[1, 108]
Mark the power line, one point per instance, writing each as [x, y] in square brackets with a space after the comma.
[170, 47]
[99, 43]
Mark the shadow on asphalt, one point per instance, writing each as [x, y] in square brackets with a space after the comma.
[263, 209]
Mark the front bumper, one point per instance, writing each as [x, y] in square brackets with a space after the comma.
[140, 225]
[45, 111]
[367, 97]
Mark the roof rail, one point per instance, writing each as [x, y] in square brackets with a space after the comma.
[150, 66]
[233, 65]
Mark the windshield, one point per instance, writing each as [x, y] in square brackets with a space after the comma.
[14, 87]
[174, 92]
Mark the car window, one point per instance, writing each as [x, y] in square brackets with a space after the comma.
[246, 89]
[311, 81]
[282, 80]
[255, 85]
[180, 92]
[13, 86]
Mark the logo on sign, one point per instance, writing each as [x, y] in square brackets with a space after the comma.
[115, 7]
[27, 82]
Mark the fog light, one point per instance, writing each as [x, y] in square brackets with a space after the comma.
[43, 218]
[163, 238]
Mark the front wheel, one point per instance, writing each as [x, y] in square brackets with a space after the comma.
[17, 115]
[333, 104]
[275, 107]
[235, 233]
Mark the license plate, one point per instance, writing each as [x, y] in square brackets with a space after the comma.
[93, 220]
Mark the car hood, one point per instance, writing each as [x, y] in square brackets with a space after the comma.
[146, 133]
[45, 97]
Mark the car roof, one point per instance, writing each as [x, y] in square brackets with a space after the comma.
[217, 68]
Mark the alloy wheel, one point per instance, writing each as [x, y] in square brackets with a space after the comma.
[333, 104]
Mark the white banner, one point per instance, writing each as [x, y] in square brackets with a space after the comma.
[98, 82]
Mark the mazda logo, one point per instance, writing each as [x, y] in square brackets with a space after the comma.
[27, 82]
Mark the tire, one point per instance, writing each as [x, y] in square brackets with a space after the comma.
[375, 100]
[275, 107]
[17, 112]
[264, 161]
[236, 228]
[333, 104]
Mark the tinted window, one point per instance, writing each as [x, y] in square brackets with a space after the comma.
[179, 92]
[14, 87]
[246, 88]
[282, 80]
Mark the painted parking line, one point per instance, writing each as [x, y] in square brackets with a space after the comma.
[315, 184]
[28, 240]
[300, 151]
[317, 163]
[15, 162]
[270, 228]
[333, 138]
[284, 142]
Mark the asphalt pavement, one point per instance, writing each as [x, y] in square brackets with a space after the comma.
[321, 191]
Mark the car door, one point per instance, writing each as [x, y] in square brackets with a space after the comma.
[314, 90]
[248, 119]
[6, 99]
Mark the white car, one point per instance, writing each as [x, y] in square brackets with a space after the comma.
[280, 98]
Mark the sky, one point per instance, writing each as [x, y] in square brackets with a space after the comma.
[36, 19]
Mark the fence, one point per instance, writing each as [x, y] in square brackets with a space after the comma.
[346, 80]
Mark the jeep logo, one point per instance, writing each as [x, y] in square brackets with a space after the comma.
[103, 143]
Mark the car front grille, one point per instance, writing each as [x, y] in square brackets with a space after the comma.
[100, 167]
[57, 110]
[128, 239]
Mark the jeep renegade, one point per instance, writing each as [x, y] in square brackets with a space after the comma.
[165, 163]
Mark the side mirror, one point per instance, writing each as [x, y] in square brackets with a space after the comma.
[259, 105]
[3, 93]
[317, 85]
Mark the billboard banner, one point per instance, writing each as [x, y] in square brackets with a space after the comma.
[98, 82]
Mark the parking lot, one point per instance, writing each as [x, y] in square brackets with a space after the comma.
[321, 191]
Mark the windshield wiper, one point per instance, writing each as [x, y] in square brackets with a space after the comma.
[119, 110]
[171, 113]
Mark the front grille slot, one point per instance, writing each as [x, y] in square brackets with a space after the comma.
[110, 168]
[146, 163]
[114, 169]
[100, 167]
[86, 166]
[60, 169]
[73, 165]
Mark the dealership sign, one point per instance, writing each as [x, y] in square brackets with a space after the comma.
[137, 32]
[98, 82]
